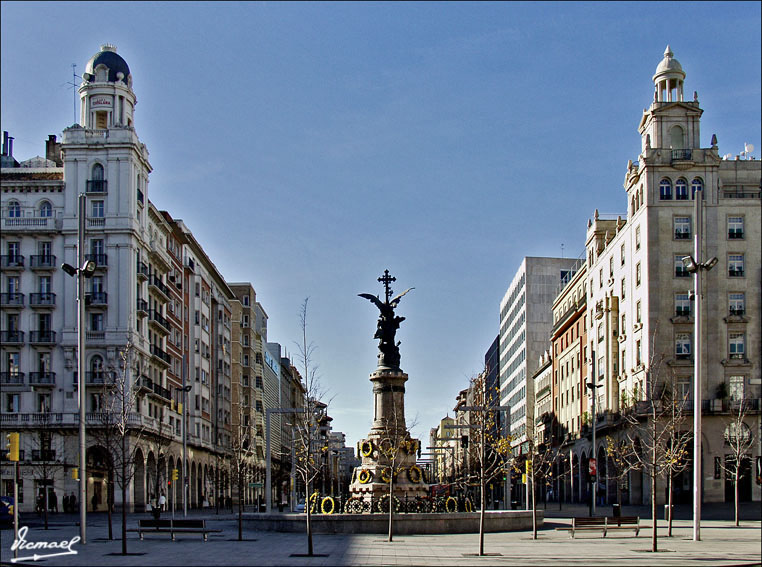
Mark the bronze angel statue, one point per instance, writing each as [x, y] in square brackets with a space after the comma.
[388, 323]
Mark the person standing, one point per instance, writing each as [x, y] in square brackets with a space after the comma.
[162, 502]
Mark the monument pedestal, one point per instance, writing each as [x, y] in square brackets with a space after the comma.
[388, 449]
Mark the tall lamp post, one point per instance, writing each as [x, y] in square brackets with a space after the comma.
[592, 386]
[85, 270]
[185, 389]
[695, 266]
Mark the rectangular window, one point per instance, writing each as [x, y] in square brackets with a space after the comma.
[717, 468]
[611, 266]
[682, 345]
[735, 228]
[684, 388]
[11, 403]
[637, 238]
[682, 227]
[737, 345]
[737, 303]
[600, 277]
[622, 254]
[638, 312]
[638, 353]
[600, 333]
[736, 389]
[96, 321]
[682, 304]
[97, 209]
[680, 270]
[735, 265]
[624, 286]
[637, 274]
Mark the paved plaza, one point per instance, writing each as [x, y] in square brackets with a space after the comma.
[722, 544]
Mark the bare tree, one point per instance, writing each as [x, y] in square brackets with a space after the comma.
[119, 431]
[243, 452]
[310, 445]
[619, 463]
[44, 464]
[489, 449]
[538, 465]
[739, 440]
[656, 442]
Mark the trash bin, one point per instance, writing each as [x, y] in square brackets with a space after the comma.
[617, 510]
[666, 511]
[514, 505]
[156, 511]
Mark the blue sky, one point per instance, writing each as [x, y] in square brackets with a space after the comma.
[310, 146]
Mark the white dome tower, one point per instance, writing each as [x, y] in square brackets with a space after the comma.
[107, 99]
[668, 79]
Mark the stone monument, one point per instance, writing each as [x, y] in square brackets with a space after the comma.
[388, 453]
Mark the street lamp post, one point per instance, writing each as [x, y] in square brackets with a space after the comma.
[85, 270]
[593, 387]
[184, 389]
[694, 266]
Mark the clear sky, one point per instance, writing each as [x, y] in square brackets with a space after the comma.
[310, 146]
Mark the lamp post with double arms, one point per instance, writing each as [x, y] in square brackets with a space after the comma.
[592, 386]
[85, 270]
[185, 389]
[695, 266]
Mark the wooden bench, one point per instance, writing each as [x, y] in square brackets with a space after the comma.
[624, 523]
[604, 524]
[174, 527]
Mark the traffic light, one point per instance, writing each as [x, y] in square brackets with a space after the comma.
[169, 483]
[175, 475]
[464, 441]
[75, 473]
[13, 446]
[529, 467]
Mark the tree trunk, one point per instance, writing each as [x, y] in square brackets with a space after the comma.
[483, 503]
[124, 497]
[654, 544]
[534, 503]
[669, 504]
[45, 501]
[309, 523]
[109, 503]
[737, 475]
[391, 503]
[240, 505]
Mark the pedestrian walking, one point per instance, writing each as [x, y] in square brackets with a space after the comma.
[53, 501]
[162, 502]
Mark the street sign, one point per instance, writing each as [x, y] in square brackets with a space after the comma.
[255, 485]
[592, 467]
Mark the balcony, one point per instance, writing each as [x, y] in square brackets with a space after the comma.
[101, 260]
[158, 286]
[95, 336]
[727, 405]
[142, 271]
[96, 378]
[142, 307]
[144, 383]
[161, 391]
[96, 299]
[13, 262]
[159, 321]
[11, 337]
[42, 262]
[161, 355]
[43, 455]
[42, 300]
[12, 378]
[42, 337]
[681, 155]
[11, 300]
[98, 186]
[42, 378]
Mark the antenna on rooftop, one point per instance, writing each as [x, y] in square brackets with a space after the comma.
[73, 84]
[747, 149]
[562, 250]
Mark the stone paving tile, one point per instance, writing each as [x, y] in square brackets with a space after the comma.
[722, 544]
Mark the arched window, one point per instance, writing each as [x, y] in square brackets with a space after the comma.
[681, 190]
[97, 172]
[665, 190]
[95, 376]
[14, 209]
[676, 137]
[697, 185]
[46, 209]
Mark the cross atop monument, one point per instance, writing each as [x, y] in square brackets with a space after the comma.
[386, 279]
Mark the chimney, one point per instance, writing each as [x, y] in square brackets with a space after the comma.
[5, 142]
[10, 146]
[53, 150]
